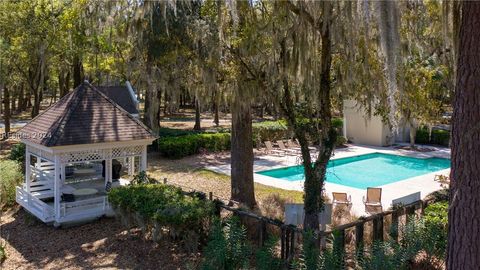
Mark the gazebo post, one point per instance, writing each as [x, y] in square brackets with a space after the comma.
[28, 170]
[131, 165]
[143, 166]
[56, 188]
[108, 171]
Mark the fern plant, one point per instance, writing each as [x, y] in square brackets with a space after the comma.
[227, 248]
[312, 258]
[266, 258]
[333, 258]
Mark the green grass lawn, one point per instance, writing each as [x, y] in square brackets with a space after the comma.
[261, 191]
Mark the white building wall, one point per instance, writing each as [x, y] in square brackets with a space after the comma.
[362, 128]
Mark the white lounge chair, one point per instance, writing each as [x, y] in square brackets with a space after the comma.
[282, 147]
[341, 198]
[374, 197]
[271, 150]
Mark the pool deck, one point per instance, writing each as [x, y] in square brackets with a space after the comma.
[409, 189]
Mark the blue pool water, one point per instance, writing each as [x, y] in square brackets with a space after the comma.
[370, 170]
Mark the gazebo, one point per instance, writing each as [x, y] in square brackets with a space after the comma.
[76, 151]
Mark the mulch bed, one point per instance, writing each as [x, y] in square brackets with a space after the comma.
[102, 244]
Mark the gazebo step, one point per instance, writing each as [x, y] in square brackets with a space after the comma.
[43, 194]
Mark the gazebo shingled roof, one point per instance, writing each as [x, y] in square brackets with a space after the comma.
[84, 116]
[121, 95]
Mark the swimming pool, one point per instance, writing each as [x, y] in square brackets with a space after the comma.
[370, 170]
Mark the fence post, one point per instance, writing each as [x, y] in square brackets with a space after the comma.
[341, 240]
[409, 212]
[263, 233]
[422, 208]
[165, 181]
[287, 242]
[394, 228]
[359, 228]
[282, 244]
[210, 196]
[292, 245]
[378, 228]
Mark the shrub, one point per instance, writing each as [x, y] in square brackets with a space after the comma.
[157, 207]
[10, 176]
[422, 136]
[337, 123]
[174, 132]
[440, 137]
[18, 153]
[270, 131]
[182, 146]
[437, 213]
[340, 141]
[436, 227]
[142, 178]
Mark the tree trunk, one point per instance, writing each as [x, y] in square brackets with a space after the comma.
[216, 118]
[197, 115]
[159, 112]
[64, 82]
[13, 107]
[36, 102]
[242, 151]
[6, 109]
[29, 100]
[152, 105]
[413, 133]
[22, 101]
[77, 71]
[464, 210]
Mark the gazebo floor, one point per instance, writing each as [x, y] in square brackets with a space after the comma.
[84, 207]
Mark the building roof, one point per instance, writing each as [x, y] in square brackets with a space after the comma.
[84, 116]
[122, 96]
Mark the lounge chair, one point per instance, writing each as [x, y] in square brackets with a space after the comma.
[271, 150]
[374, 197]
[341, 198]
[282, 147]
[296, 144]
[292, 145]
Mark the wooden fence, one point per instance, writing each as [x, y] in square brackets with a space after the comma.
[289, 234]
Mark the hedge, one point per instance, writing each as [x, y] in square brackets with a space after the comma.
[174, 132]
[182, 146]
[277, 130]
[155, 207]
[439, 137]
[422, 136]
[270, 131]
[177, 143]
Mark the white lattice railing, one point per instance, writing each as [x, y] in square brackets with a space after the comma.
[101, 154]
[84, 208]
[34, 205]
